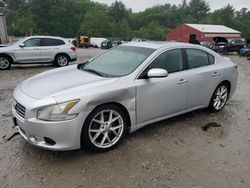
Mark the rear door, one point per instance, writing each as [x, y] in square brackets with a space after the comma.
[49, 47]
[203, 76]
[30, 53]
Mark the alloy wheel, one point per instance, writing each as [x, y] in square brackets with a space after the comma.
[221, 96]
[62, 61]
[106, 129]
[4, 63]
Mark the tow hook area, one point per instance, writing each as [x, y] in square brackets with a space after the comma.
[8, 137]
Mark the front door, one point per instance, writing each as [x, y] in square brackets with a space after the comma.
[30, 52]
[159, 97]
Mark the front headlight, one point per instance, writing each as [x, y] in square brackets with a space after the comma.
[58, 112]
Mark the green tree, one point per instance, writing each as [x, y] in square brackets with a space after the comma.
[97, 23]
[118, 11]
[223, 16]
[199, 9]
[152, 31]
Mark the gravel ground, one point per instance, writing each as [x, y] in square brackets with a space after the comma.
[171, 153]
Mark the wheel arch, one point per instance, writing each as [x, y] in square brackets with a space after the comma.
[7, 55]
[227, 83]
[122, 107]
[61, 53]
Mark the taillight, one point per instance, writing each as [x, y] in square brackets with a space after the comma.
[73, 48]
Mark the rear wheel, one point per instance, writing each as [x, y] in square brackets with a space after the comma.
[219, 98]
[61, 60]
[104, 128]
[5, 63]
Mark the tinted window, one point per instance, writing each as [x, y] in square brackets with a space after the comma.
[32, 42]
[197, 58]
[211, 59]
[52, 42]
[171, 61]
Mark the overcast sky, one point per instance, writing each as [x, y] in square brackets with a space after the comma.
[139, 5]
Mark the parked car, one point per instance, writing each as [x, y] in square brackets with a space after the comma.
[219, 43]
[97, 42]
[206, 44]
[38, 49]
[94, 105]
[107, 44]
[222, 45]
[3, 45]
[246, 50]
[116, 43]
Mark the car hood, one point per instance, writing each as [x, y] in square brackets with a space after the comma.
[60, 81]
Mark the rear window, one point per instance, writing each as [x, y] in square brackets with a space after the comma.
[52, 42]
[198, 58]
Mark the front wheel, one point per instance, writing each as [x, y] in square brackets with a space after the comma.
[104, 128]
[5, 63]
[61, 60]
[219, 98]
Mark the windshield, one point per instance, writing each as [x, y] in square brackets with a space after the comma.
[119, 61]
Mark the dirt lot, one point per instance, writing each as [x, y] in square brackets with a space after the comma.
[172, 153]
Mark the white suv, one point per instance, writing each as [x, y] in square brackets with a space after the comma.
[38, 49]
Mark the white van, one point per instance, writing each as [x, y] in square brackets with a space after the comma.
[96, 41]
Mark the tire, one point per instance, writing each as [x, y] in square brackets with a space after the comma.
[99, 134]
[5, 62]
[61, 60]
[219, 98]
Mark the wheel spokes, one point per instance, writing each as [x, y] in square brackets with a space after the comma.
[106, 128]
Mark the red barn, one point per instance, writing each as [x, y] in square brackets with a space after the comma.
[202, 32]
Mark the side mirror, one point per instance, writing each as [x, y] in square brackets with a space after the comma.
[22, 45]
[157, 73]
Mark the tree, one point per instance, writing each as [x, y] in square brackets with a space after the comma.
[118, 11]
[199, 9]
[223, 16]
[152, 31]
[97, 23]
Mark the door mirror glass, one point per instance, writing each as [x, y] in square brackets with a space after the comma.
[157, 73]
[22, 45]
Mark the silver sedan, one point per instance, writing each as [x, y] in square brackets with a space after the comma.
[93, 105]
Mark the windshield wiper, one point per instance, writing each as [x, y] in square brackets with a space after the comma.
[93, 71]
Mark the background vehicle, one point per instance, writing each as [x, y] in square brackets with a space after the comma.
[82, 41]
[107, 44]
[38, 49]
[246, 50]
[120, 91]
[206, 44]
[222, 45]
[3, 45]
[97, 41]
[116, 43]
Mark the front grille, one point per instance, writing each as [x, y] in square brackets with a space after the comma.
[20, 109]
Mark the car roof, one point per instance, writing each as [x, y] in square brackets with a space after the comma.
[157, 45]
[42, 36]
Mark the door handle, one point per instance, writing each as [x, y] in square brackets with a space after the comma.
[215, 74]
[182, 81]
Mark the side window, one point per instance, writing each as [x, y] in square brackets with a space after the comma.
[52, 42]
[197, 58]
[211, 59]
[171, 61]
[32, 42]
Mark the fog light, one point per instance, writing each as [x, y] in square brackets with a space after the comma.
[49, 141]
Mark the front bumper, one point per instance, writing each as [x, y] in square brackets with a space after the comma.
[66, 135]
